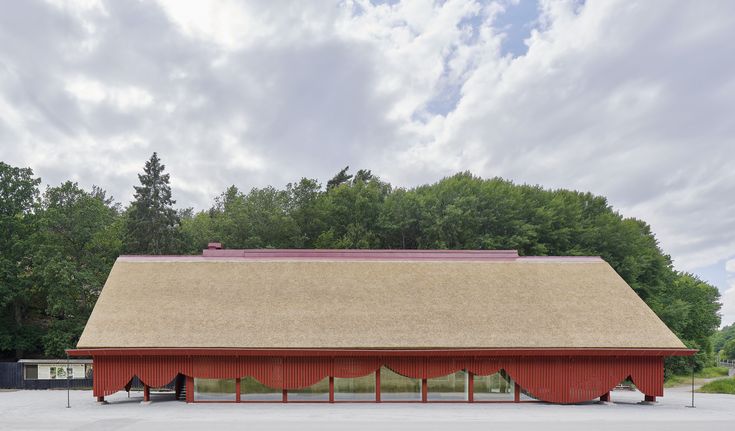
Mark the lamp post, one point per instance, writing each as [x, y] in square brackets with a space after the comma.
[692, 367]
[68, 381]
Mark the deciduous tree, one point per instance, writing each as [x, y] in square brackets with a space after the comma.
[19, 332]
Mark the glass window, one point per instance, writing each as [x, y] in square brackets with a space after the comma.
[395, 387]
[31, 372]
[319, 391]
[214, 389]
[494, 387]
[252, 390]
[448, 388]
[355, 389]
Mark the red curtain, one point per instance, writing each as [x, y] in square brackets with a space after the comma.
[553, 379]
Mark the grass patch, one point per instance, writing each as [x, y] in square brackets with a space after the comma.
[677, 380]
[721, 386]
[711, 372]
[705, 373]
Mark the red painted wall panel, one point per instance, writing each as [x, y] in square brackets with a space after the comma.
[554, 379]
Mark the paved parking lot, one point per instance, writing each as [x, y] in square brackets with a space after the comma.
[46, 410]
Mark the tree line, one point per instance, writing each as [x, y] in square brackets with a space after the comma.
[724, 342]
[58, 245]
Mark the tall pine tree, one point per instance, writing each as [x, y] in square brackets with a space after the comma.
[152, 222]
[340, 178]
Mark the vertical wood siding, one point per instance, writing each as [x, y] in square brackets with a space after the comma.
[555, 379]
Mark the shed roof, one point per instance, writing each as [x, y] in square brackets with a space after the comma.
[372, 300]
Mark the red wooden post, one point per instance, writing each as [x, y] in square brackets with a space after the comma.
[331, 389]
[285, 395]
[237, 390]
[146, 393]
[517, 393]
[470, 387]
[100, 399]
[424, 390]
[605, 398]
[189, 389]
[650, 398]
[377, 385]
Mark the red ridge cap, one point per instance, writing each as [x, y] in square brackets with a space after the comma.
[359, 255]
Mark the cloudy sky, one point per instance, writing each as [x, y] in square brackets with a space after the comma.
[634, 100]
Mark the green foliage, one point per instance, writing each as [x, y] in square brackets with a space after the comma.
[674, 380]
[151, 222]
[307, 211]
[55, 261]
[78, 239]
[351, 214]
[259, 219]
[19, 329]
[721, 386]
[722, 337]
[685, 376]
[728, 351]
[690, 308]
[340, 178]
[712, 372]
[363, 175]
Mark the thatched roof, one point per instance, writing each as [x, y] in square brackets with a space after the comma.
[370, 300]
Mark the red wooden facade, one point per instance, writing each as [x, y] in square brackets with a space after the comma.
[553, 375]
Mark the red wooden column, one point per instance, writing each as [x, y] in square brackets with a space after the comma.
[605, 397]
[470, 387]
[189, 389]
[237, 390]
[284, 397]
[424, 390]
[517, 393]
[377, 385]
[146, 392]
[331, 389]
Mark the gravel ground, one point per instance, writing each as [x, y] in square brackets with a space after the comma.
[46, 410]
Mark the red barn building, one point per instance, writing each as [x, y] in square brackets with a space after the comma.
[376, 326]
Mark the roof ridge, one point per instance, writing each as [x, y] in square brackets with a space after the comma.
[353, 255]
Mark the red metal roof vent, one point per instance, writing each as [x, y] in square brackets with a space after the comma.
[214, 246]
[324, 254]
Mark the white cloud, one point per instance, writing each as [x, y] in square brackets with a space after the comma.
[420, 46]
[233, 25]
[728, 296]
[224, 22]
[607, 99]
[124, 98]
[629, 99]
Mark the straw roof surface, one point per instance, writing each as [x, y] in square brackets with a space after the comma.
[321, 303]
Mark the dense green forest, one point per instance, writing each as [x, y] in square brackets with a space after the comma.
[58, 245]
